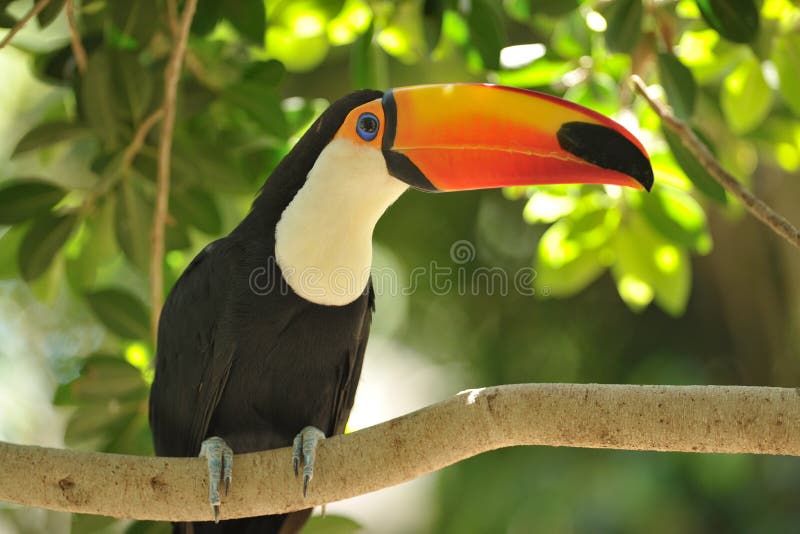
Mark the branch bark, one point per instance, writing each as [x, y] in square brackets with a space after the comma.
[723, 419]
[132, 150]
[172, 76]
[40, 5]
[75, 38]
[757, 207]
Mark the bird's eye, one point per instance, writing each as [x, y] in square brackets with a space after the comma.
[367, 126]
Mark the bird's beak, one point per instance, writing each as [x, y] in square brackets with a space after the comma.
[474, 136]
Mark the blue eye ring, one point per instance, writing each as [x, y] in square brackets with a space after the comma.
[368, 126]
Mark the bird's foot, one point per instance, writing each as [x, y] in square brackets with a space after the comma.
[305, 446]
[220, 467]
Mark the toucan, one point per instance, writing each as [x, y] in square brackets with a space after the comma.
[261, 340]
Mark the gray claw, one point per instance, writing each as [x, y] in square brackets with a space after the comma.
[227, 467]
[297, 450]
[220, 467]
[305, 446]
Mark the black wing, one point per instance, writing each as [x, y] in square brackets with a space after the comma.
[349, 380]
[192, 365]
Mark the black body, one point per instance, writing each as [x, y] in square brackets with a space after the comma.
[241, 356]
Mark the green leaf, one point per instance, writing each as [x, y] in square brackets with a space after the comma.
[56, 67]
[23, 199]
[363, 61]
[7, 21]
[200, 165]
[92, 426]
[678, 83]
[786, 56]
[42, 242]
[132, 220]
[677, 217]
[149, 527]
[487, 31]
[194, 99]
[135, 19]
[111, 427]
[248, 17]
[694, 171]
[648, 267]
[571, 37]
[266, 73]
[88, 524]
[332, 524]
[735, 20]
[207, 16]
[263, 106]
[540, 73]
[196, 207]
[544, 206]
[120, 312]
[674, 281]
[176, 237]
[570, 254]
[111, 399]
[9, 249]
[97, 103]
[519, 10]
[599, 93]
[553, 8]
[286, 13]
[568, 278]
[133, 84]
[47, 134]
[91, 249]
[432, 16]
[103, 378]
[50, 12]
[745, 97]
[624, 19]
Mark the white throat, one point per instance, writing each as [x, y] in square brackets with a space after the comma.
[323, 241]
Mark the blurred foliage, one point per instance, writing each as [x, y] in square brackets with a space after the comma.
[257, 73]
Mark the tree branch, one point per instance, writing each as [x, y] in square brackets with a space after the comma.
[139, 137]
[761, 211]
[75, 38]
[726, 419]
[172, 18]
[40, 5]
[171, 78]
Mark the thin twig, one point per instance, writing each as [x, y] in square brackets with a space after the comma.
[138, 139]
[754, 205]
[172, 18]
[195, 66]
[75, 38]
[40, 5]
[130, 153]
[171, 78]
[721, 419]
[192, 62]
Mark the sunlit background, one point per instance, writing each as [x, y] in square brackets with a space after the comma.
[679, 286]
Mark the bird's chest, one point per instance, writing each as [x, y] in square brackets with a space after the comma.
[290, 370]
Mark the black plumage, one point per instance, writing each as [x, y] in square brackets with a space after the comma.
[241, 356]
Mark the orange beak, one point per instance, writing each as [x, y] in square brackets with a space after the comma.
[474, 136]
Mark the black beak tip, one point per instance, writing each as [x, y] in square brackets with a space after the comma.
[606, 148]
[645, 177]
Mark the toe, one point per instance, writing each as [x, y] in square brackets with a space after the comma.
[305, 447]
[220, 467]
